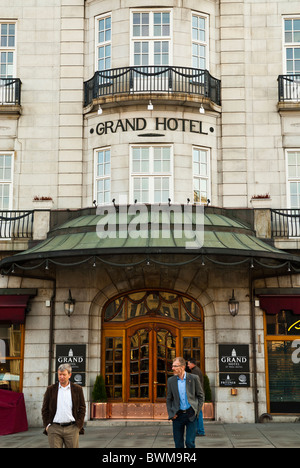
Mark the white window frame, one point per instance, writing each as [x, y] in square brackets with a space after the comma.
[288, 45]
[7, 182]
[200, 42]
[151, 39]
[198, 176]
[104, 177]
[291, 179]
[105, 43]
[150, 175]
[9, 48]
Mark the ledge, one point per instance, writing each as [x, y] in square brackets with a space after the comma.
[158, 99]
[12, 111]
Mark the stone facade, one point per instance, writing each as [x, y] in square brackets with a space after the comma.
[54, 139]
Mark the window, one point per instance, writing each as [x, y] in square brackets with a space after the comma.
[292, 57]
[292, 45]
[151, 174]
[7, 49]
[199, 41]
[6, 175]
[201, 175]
[11, 356]
[102, 179]
[293, 170]
[282, 349]
[103, 43]
[151, 38]
[7, 61]
[163, 304]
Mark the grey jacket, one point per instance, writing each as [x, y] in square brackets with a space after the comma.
[194, 392]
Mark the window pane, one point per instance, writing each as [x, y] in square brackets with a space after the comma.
[103, 169]
[10, 341]
[284, 378]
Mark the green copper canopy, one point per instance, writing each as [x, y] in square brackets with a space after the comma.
[124, 233]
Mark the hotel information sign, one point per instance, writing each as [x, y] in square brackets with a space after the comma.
[75, 355]
[234, 365]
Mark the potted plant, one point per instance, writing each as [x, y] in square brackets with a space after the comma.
[43, 203]
[99, 399]
[208, 407]
[261, 201]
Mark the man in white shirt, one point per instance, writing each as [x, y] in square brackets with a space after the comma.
[63, 411]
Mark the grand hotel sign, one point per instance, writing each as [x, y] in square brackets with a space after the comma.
[158, 124]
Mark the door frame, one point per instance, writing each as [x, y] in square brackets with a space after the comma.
[122, 329]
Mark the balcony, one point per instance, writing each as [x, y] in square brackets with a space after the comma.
[21, 228]
[285, 228]
[285, 223]
[10, 96]
[289, 92]
[132, 84]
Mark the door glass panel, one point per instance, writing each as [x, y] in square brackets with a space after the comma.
[192, 348]
[113, 367]
[165, 343]
[139, 365]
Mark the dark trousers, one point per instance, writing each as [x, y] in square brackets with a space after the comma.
[182, 423]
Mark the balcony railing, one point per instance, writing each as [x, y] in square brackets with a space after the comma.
[289, 88]
[10, 91]
[16, 224]
[152, 79]
[285, 223]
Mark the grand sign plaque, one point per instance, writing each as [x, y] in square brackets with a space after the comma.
[234, 365]
[75, 355]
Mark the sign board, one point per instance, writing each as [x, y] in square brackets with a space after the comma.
[75, 355]
[234, 365]
[234, 358]
[234, 380]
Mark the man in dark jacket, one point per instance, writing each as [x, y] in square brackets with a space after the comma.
[191, 363]
[63, 411]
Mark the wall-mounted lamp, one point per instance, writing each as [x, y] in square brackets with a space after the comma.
[100, 110]
[201, 109]
[69, 305]
[150, 105]
[233, 305]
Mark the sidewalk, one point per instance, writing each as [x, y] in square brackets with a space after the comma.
[159, 435]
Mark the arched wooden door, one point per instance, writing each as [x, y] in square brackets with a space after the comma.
[142, 332]
[151, 349]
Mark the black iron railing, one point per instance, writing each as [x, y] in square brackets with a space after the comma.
[152, 79]
[289, 88]
[285, 223]
[16, 224]
[10, 91]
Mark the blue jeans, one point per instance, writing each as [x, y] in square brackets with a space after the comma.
[200, 424]
[181, 423]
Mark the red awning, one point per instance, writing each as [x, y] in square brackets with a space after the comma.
[12, 308]
[274, 304]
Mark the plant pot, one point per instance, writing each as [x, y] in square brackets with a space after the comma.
[99, 411]
[208, 410]
[43, 204]
[261, 202]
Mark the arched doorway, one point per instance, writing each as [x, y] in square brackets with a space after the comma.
[141, 334]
